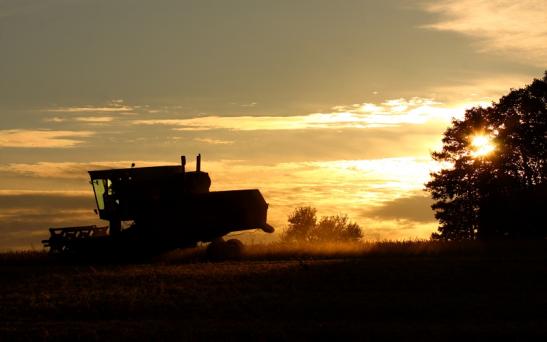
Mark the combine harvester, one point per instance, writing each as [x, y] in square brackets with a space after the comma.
[165, 208]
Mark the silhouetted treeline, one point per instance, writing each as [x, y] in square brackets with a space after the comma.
[502, 194]
[305, 227]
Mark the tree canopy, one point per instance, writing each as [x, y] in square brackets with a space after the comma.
[494, 183]
[305, 227]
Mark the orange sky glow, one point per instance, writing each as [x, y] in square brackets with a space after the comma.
[333, 106]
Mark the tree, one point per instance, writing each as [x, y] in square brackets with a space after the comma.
[304, 227]
[495, 181]
[302, 222]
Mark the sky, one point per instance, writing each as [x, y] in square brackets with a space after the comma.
[332, 104]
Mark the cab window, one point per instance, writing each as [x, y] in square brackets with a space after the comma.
[100, 186]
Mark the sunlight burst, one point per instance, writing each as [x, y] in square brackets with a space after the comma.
[482, 145]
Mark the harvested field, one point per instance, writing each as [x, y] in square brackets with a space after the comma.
[391, 290]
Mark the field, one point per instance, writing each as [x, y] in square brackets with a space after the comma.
[392, 290]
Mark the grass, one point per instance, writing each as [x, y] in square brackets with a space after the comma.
[371, 291]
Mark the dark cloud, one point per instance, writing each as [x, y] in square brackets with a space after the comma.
[25, 218]
[415, 208]
[320, 144]
[46, 201]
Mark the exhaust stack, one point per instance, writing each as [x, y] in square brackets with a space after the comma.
[198, 163]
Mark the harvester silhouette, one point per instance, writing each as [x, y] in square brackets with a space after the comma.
[165, 208]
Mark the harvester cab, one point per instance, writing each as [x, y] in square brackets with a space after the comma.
[165, 207]
[124, 194]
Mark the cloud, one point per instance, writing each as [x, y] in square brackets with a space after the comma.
[68, 170]
[114, 106]
[56, 119]
[415, 208]
[41, 138]
[25, 216]
[355, 181]
[33, 199]
[514, 28]
[481, 91]
[91, 109]
[363, 115]
[95, 119]
[214, 141]
[333, 187]
[345, 186]
[84, 119]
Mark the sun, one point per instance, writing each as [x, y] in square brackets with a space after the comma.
[482, 145]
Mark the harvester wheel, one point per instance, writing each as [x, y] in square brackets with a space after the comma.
[219, 250]
[234, 249]
[215, 249]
